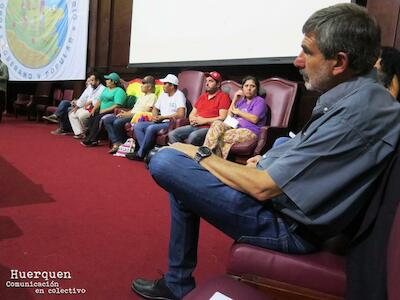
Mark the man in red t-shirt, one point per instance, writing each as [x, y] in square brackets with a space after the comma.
[211, 106]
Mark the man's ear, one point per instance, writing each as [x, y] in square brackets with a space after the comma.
[342, 63]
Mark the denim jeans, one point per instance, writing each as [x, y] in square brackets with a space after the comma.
[194, 193]
[62, 112]
[115, 128]
[280, 140]
[94, 127]
[194, 135]
[146, 133]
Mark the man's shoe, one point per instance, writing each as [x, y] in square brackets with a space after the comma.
[153, 289]
[59, 131]
[79, 136]
[133, 156]
[89, 143]
[52, 118]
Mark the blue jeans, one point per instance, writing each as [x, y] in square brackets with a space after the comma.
[146, 133]
[280, 140]
[194, 193]
[194, 135]
[62, 113]
[115, 128]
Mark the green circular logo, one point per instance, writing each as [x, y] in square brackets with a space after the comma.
[36, 30]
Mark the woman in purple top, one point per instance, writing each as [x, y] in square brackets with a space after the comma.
[246, 115]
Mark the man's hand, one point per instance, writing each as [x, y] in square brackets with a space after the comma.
[188, 149]
[193, 120]
[201, 121]
[122, 114]
[252, 161]
[158, 119]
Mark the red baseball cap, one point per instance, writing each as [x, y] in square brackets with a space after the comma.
[215, 75]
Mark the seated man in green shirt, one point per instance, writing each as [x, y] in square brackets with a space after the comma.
[112, 97]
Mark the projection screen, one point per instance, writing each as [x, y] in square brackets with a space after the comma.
[218, 32]
[44, 40]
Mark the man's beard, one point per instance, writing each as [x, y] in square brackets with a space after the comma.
[306, 80]
[211, 90]
[319, 85]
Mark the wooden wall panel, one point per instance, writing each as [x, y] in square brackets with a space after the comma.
[120, 35]
[387, 14]
[103, 34]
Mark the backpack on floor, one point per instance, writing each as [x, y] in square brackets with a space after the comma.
[127, 147]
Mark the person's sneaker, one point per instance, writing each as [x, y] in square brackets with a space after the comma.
[89, 143]
[52, 118]
[79, 136]
[59, 131]
[153, 289]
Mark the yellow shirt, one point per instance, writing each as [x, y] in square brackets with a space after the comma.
[144, 102]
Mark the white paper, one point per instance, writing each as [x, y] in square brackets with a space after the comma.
[219, 296]
[232, 122]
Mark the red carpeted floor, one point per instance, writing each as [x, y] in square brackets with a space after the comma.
[64, 207]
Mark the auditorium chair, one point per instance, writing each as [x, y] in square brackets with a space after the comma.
[323, 275]
[58, 96]
[191, 83]
[44, 109]
[28, 103]
[230, 87]
[280, 95]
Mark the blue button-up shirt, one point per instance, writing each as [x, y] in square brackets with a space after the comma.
[328, 170]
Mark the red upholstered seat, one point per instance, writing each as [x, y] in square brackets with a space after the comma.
[322, 275]
[230, 87]
[322, 272]
[58, 96]
[28, 103]
[68, 95]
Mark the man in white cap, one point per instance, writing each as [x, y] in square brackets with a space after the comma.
[171, 104]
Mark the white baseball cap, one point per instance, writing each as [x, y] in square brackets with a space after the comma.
[170, 78]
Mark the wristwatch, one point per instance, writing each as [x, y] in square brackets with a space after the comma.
[202, 152]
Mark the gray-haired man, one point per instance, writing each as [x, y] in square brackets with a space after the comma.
[304, 191]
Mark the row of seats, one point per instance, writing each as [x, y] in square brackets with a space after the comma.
[280, 95]
[41, 102]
